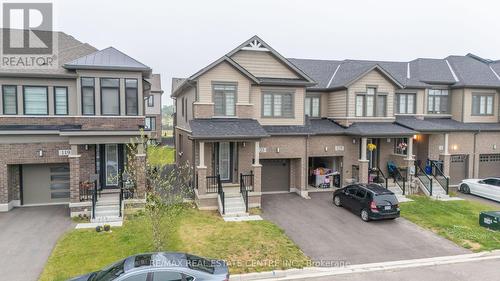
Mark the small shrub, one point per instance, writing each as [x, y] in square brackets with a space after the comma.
[107, 227]
[98, 228]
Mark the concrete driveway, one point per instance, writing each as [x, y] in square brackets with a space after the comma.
[330, 234]
[27, 236]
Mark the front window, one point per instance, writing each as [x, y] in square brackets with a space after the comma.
[9, 95]
[277, 105]
[405, 103]
[400, 146]
[371, 103]
[150, 123]
[437, 101]
[312, 106]
[88, 96]
[61, 100]
[36, 101]
[224, 99]
[110, 96]
[131, 97]
[482, 105]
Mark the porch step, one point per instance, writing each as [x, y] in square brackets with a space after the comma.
[106, 219]
[107, 213]
[231, 189]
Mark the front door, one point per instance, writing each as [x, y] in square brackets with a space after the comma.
[111, 163]
[224, 160]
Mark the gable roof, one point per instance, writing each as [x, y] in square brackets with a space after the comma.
[255, 44]
[108, 59]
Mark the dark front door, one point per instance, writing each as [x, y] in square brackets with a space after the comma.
[224, 161]
[111, 164]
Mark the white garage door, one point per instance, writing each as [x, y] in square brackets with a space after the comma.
[43, 184]
[489, 165]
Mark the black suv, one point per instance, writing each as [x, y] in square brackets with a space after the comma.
[370, 201]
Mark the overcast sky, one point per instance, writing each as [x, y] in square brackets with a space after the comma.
[177, 38]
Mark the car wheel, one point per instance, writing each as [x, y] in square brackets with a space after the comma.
[464, 189]
[364, 215]
[336, 201]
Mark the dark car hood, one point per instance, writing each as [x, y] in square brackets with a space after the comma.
[81, 277]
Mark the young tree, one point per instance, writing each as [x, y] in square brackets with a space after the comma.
[167, 186]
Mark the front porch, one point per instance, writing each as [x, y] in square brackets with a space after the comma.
[228, 174]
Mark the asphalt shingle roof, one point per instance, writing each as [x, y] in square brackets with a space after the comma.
[444, 125]
[226, 128]
[378, 129]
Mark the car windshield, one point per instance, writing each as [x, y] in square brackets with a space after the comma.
[110, 273]
[383, 199]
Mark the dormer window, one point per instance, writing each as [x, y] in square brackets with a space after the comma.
[224, 99]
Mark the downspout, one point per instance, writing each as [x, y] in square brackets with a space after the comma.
[474, 154]
[306, 174]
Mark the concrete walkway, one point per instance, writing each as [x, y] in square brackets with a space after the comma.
[329, 234]
[27, 237]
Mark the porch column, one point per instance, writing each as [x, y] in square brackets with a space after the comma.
[4, 186]
[445, 157]
[409, 159]
[257, 169]
[201, 170]
[140, 166]
[74, 174]
[363, 162]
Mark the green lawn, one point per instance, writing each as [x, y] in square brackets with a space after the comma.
[242, 244]
[161, 155]
[457, 221]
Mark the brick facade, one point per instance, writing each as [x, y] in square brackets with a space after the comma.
[87, 123]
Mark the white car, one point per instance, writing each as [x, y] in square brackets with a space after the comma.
[487, 188]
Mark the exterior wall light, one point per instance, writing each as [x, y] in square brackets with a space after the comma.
[326, 148]
[494, 147]
[277, 150]
[40, 153]
[354, 141]
[454, 147]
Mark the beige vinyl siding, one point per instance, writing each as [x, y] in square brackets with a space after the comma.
[337, 104]
[189, 94]
[223, 72]
[421, 102]
[457, 96]
[263, 64]
[73, 100]
[467, 100]
[298, 102]
[375, 79]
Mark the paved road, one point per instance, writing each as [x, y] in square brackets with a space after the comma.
[479, 270]
[328, 233]
[27, 236]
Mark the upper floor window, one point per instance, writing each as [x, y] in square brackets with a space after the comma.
[312, 106]
[131, 97]
[405, 103]
[88, 96]
[9, 97]
[110, 96]
[224, 99]
[151, 101]
[482, 104]
[150, 123]
[277, 105]
[437, 101]
[371, 103]
[60, 100]
[35, 100]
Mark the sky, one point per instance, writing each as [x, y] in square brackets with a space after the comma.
[177, 38]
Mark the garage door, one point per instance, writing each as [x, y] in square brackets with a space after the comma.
[489, 165]
[275, 175]
[43, 184]
[458, 168]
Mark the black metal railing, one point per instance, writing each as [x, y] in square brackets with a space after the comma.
[212, 184]
[440, 177]
[355, 173]
[424, 178]
[220, 191]
[380, 177]
[120, 184]
[94, 201]
[85, 191]
[244, 188]
[400, 180]
[247, 181]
